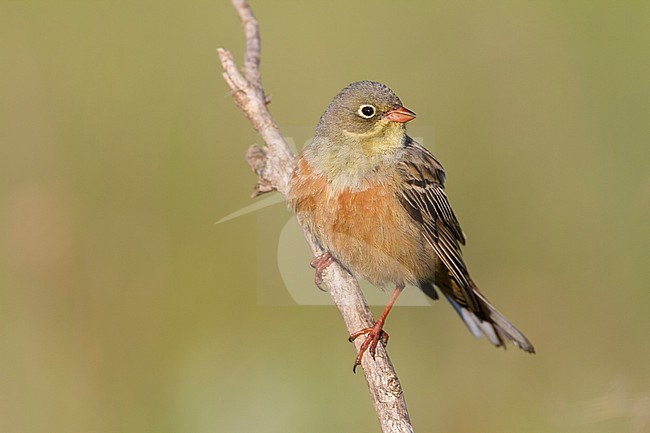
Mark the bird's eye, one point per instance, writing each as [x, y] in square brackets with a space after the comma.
[366, 111]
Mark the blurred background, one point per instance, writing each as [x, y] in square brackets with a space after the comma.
[125, 308]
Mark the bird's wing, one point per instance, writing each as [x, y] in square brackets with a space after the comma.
[424, 198]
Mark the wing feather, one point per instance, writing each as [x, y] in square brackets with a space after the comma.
[424, 198]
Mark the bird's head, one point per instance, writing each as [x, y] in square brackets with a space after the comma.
[366, 110]
[361, 132]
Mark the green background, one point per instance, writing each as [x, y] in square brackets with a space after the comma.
[124, 308]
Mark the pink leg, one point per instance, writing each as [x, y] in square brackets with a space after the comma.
[375, 333]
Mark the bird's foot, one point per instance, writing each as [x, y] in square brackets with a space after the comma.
[374, 335]
[321, 263]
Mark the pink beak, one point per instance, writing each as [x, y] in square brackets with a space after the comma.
[399, 114]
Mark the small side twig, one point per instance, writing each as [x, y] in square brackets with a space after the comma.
[273, 163]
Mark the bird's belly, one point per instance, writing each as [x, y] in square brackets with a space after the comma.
[370, 233]
[371, 236]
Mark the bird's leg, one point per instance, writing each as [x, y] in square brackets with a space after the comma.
[375, 333]
[321, 263]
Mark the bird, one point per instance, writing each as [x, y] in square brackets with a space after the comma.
[375, 201]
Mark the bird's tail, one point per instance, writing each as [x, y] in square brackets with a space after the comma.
[487, 320]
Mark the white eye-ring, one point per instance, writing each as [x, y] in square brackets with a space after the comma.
[366, 111]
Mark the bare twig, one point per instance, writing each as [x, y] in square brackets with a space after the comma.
[252, 56]
[273, 163]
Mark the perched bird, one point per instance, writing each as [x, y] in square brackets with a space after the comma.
[375, 201]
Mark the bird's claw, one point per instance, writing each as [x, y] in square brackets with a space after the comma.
[321, 263]
[374, 335]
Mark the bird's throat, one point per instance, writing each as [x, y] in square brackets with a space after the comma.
[350, 160]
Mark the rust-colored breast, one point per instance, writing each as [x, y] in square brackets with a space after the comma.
[368, 231]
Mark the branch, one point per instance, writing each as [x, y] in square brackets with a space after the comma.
[273, 163]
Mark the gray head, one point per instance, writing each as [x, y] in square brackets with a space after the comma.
[361, 132]
[361, 108]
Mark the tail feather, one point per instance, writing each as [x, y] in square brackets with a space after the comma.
[490, 322]
[504, 326]
[476, 326]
